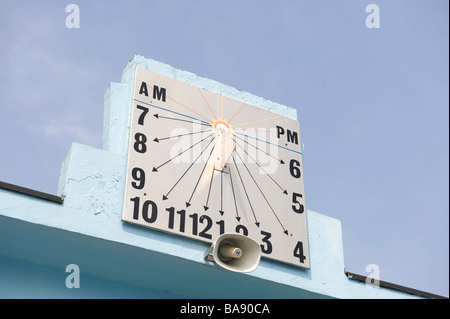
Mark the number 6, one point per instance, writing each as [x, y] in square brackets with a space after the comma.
[294, 168]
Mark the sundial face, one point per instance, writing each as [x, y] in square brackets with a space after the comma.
[201, 164]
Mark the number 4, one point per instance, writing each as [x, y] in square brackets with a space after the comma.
[298, 252]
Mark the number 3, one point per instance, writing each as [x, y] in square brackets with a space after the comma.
[267, 248]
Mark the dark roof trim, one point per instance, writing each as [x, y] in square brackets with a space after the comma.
[31, 192]
[389, 285]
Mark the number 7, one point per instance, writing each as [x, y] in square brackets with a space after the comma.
[143, 114]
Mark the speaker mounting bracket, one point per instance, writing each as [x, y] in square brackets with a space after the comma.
[209, 254]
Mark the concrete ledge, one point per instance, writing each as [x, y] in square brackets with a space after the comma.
[130, 265]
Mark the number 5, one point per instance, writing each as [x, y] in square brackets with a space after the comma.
[300, 209]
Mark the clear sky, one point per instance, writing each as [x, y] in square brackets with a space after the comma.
[373, 103]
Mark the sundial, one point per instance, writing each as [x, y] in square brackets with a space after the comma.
[201, 164]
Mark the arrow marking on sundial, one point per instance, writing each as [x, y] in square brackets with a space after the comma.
[155, 169]
[221, 194]
[259, 149]
[262, 193]
[284, 190]
[248, 198]
[193, 162]
[157, 140]
[181, 120]
[188, 203]
[209, 190]
[234, 197]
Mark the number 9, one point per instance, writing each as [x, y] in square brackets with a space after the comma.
[138, 175]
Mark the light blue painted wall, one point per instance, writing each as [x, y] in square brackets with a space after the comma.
[20, 279]
[39, 238]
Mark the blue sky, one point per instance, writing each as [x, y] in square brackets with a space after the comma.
[372, 103]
